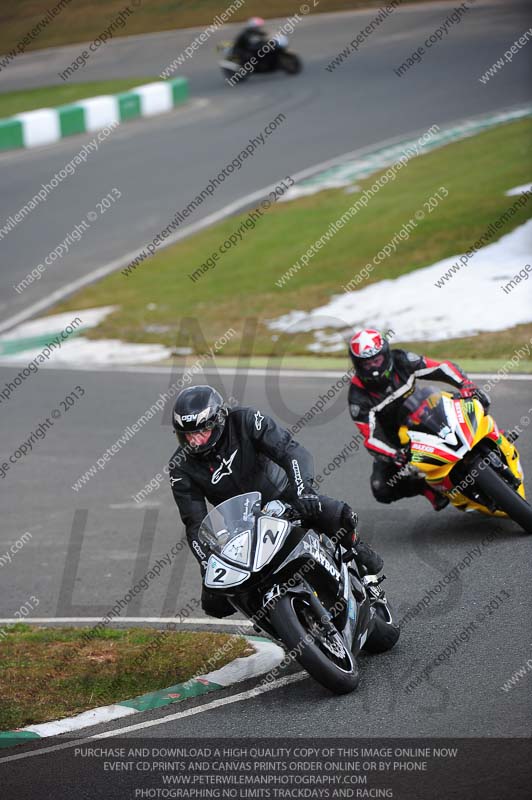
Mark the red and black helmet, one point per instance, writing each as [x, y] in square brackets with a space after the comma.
[255, 24]
[371, 356]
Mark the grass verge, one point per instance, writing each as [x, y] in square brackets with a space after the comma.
[84, 20]
[40, 680]
[51, 96]
[158, 298]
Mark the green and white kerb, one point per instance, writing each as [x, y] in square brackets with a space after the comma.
[48, 125]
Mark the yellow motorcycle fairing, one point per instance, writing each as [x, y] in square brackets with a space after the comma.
[435, 463]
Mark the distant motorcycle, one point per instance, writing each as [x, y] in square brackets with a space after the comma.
[295, 585]
[278, 57]
[458, 448]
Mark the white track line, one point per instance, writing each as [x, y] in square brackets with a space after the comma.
[211, 219]
[162, 620]
[223, 701]
[252, 372]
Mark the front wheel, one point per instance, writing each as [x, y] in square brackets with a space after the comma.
[325, 657]
[290, 63]
[230, 73]
[385, 632]
[505, 497]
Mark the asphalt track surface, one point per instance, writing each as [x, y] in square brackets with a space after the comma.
[160, 165]
[419, 546]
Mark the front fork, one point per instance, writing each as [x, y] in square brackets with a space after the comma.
[304, 590]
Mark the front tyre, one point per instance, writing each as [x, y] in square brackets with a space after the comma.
[325, 658]
[291, 63]
[385, 632]
[229, 73]
[505, 497]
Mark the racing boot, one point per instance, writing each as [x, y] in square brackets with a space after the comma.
[367, 560]
[437, 500]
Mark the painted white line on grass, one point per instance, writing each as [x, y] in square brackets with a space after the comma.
[224, 701]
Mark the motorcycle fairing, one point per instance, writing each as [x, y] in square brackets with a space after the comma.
[271, 533]
[250, 549]
[462, 424]
[308, 549]
[221, 575]
[470, 424]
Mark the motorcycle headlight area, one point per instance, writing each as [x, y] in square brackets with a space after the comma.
[271, 533]
[451, 439]
[221, 575]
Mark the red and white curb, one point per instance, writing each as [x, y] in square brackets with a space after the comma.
[267, 656]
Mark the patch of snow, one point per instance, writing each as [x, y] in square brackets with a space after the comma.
[416, 309]
[53, 325]
[526, 187]
[84, 351]
[75, 349]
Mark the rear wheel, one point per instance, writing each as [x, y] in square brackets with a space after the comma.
[323, 655]
[505, 497]
[385, 632]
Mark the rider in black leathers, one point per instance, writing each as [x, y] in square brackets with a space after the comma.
[250, 40]
[226, 452]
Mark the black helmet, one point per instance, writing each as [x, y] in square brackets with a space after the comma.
[198, 409]
[371, 357]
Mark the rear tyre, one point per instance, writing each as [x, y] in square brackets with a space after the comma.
[505, 498]
[385, 632]
[291, 63]
[327, 660]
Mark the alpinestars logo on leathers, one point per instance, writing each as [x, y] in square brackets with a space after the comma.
[225, 468]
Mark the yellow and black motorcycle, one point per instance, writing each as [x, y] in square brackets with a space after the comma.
[460, 451]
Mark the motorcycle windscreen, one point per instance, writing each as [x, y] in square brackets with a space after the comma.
[426, 410]
[231, 519]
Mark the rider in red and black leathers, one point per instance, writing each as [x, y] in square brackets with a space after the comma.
[379, 372]
[226, 452]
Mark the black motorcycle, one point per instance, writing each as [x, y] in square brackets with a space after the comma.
[277, 56]
[297, 586]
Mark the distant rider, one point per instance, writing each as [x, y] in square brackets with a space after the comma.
[379, 373]
[250, 40]
[226, 452]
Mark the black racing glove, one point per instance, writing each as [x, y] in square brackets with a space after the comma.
[308, 503]
[402, 456]
[468, 388]
[484, 398]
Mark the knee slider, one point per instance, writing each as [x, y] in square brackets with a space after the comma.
[349, 519]
[381, 492]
